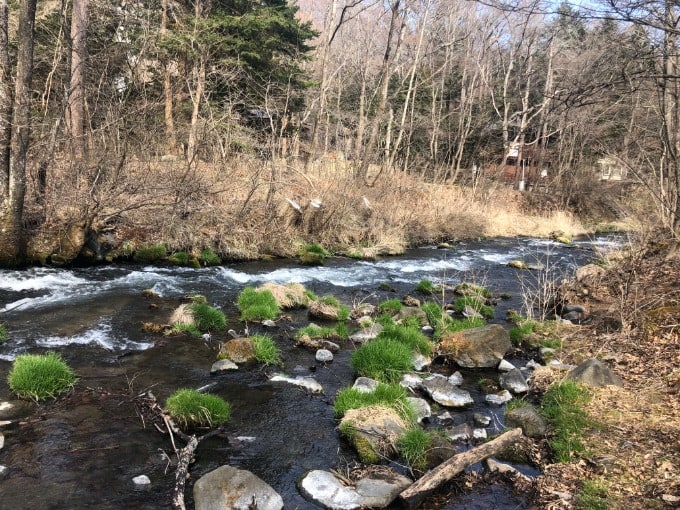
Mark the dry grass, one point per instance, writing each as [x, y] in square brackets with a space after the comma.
[290, 295]
[242, 209]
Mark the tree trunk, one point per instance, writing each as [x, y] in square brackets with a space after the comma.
[12, 240]
[76, 101]
[171, 143]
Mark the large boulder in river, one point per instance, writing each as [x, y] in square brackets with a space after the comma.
[477, 347]
[229, 488]
[238, 350]
[373, 431]
[290, 295]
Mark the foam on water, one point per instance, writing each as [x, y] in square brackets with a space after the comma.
[101, 335]
[39, 279]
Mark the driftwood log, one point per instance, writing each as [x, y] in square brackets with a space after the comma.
[444, 472]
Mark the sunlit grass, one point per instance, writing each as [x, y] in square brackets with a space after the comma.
[40, 376]
[191, 408]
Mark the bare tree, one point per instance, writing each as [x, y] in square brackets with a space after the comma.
[75, 114]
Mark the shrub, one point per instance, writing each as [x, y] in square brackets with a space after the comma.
[150, 254]
[383, 359]
[562, 407]
[413, 446]
[257, 305]
[266, 351]
[207, 318]
[391, 306]
[476, 303]
[192, 408]
[412, 337]
[210, 258]
[388, 395]
[38, 377]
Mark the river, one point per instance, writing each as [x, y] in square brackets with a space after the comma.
[83, 451]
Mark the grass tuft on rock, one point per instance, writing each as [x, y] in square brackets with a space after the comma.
[207, 318]
[150, 254]
[383, 359]
[474, 302]
[312, 254]
[257, 305]
[266, 350]
[40, 376]
[391, 306]
[426, 287]
[190, 408]
[209, 258]
[388, 395]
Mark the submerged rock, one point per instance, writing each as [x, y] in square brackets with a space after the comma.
[141, 481]
[238, 350]
[306, 382]
[234, 489]
[366, 334]
[223, 365]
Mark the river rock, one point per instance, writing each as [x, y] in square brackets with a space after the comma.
[532, 424]
[411, 381]
[408, 312]
[420, 361]
[324, 356]
[593, 372]
[238, 350]
[2, 440]
[141, 481]
[363, 310]
[456, 378]
[505, 366]
[499, 398]
[366, 334]
[365, 384]
[481, 420]
[421, 407]
[223, 365]
[514, 381]
[411, 301]
[375, 491]
[443, 392]
[476, 347]
[323, 311]
[4, 471]
[376, 430]
[307, 382]
[229, 488]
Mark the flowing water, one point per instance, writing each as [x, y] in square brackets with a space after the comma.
[83, 451]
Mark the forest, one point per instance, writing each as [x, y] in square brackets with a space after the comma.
[164, 121]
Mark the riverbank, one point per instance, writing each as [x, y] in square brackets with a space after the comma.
[252, 209]
[632, 457]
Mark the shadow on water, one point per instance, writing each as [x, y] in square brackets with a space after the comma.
[82, 452]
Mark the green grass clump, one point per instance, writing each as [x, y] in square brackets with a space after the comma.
[266, 351]
[391, 306]
[435, 313]
[3, 333]
[313, 254]
[562, 407]
[413, 446]
[427, 287]
[519, 333]
[150, 254]
[410, 336]
[190, 408]
[385, 320]
[476, 303]
[208, 318]
[594, 496]
[179, 258]
[388, 395]
[383, 359]
[209, 258]
[257, 305]
[40, 376]
[188, 329]
[326, 332]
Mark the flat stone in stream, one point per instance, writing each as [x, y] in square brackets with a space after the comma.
[375, 491]
[443, 392]
[308, 383]
[230, 488]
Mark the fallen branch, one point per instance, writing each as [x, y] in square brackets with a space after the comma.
[444, 472]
